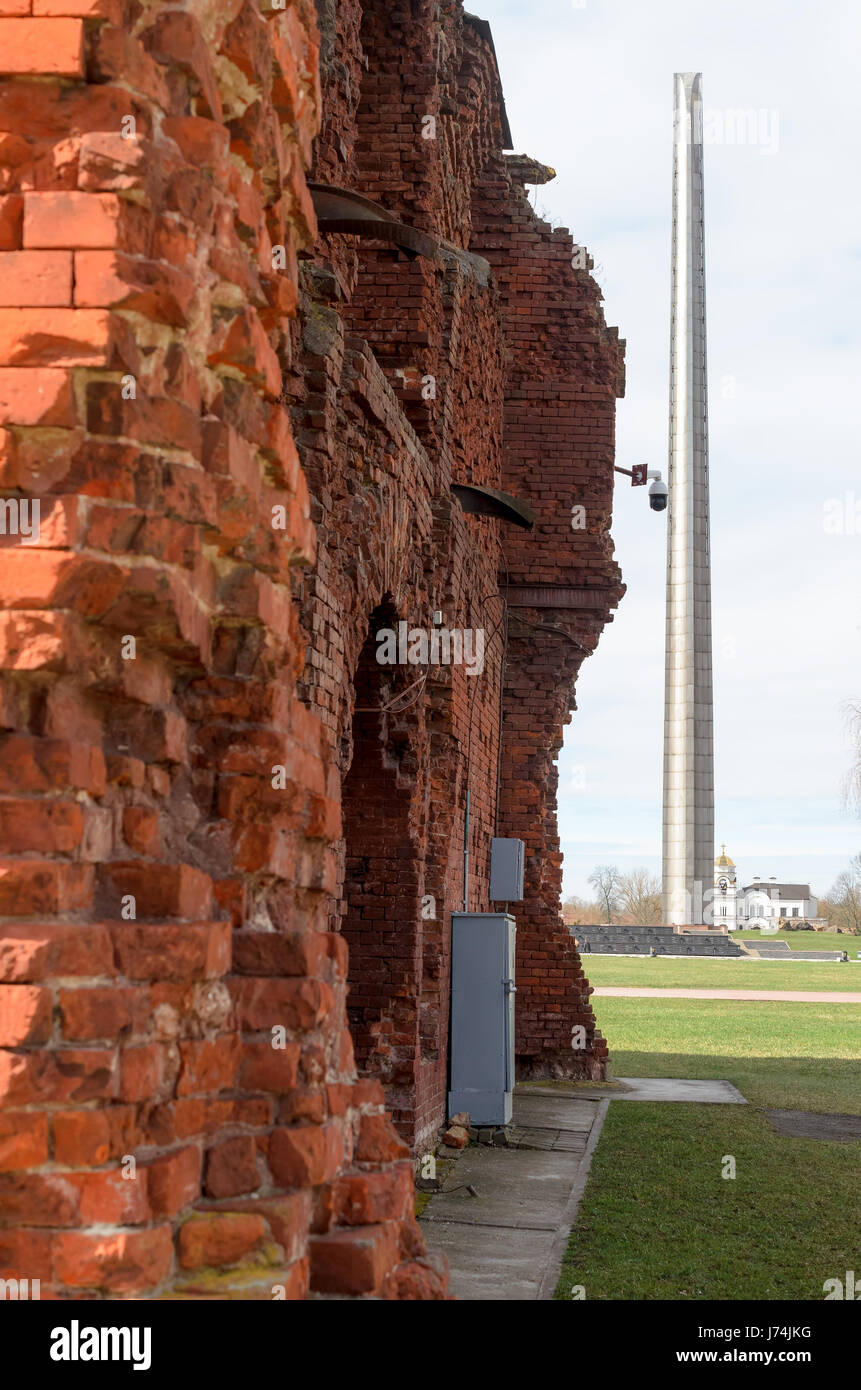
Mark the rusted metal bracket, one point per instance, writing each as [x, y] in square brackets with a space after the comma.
[490, 501]
[342, 210]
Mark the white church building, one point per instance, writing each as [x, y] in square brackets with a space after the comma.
[761, 903]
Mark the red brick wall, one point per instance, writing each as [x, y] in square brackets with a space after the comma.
[239, 830]
[143, 339]
[565, 370]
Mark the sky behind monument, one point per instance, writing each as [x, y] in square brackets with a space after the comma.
[589, 91]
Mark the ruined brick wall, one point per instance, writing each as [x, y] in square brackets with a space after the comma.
[164, 898]
[564, 373]
[230, 838]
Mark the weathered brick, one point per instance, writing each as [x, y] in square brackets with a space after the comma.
[23, 1140]
[42, 278]
[218, 1239]
[305, 1155]
[25, 1015]
[173, 1181]
[72, 219]
[353, 1262]
[128, 1262]
[43, 45]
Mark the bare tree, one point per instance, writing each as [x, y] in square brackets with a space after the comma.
[605, 879]
[577, 912]
[640, 897]
[843, 904]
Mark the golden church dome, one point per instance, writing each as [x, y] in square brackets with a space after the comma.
[723, 860]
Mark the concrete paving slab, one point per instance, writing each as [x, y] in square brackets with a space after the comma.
[502, 1264]
[639, 1088]
[517, 1188]
[550, 1111]
[703, 1092]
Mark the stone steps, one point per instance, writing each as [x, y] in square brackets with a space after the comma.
[626, 941]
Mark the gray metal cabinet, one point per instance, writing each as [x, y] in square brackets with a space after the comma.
[482, 1016]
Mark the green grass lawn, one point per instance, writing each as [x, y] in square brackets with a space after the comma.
[675, 972]
[794, 1056]
[658, 1221]
[804, 940]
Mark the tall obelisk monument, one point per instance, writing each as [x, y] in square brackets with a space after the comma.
[688, 848]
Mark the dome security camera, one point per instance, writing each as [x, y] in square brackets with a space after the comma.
[658, 495]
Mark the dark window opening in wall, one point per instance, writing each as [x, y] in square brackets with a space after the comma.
[381, 903]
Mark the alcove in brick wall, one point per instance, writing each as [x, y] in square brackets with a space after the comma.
[381, 901]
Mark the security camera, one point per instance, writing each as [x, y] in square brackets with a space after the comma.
[658, 494]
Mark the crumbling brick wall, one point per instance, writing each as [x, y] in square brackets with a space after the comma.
[167, 803]
[230, 839]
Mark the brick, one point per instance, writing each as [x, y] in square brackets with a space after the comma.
[159, 890]
[11, 222]
[36, 46]
[29, 888]
[81, 1137]
[267, 1068]
[210, 1240]
[85, 9]
[378, 1141]
[150, 288]
[208, 1066]
[306, 1155]
[40, 825]
[174, 1181]
[152, 952]
[352, 1262]
[39, 578]
[87, 1015]
[365, 1198]
[109, 1198]
[140, 829]
[231, 1167]
[25, 1015]
[39, 1199]
[128, 1262]
[71, 1074]
[141, 1072]
[292, 1004]
[42, 278]
[39, 952]
[30, 764]
[72, 219]
[23, 1140]
[25, 1254]
[74, 337]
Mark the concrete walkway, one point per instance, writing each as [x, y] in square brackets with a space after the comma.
[508, 1241]
[795, 996]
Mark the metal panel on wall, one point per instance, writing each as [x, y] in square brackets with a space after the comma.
[482, 1016]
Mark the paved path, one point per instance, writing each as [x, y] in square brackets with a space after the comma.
[796, 996]
[508, 1241]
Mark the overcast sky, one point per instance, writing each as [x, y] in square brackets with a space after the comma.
[589, 91]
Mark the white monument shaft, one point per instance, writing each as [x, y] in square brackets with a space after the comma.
[688, 837]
